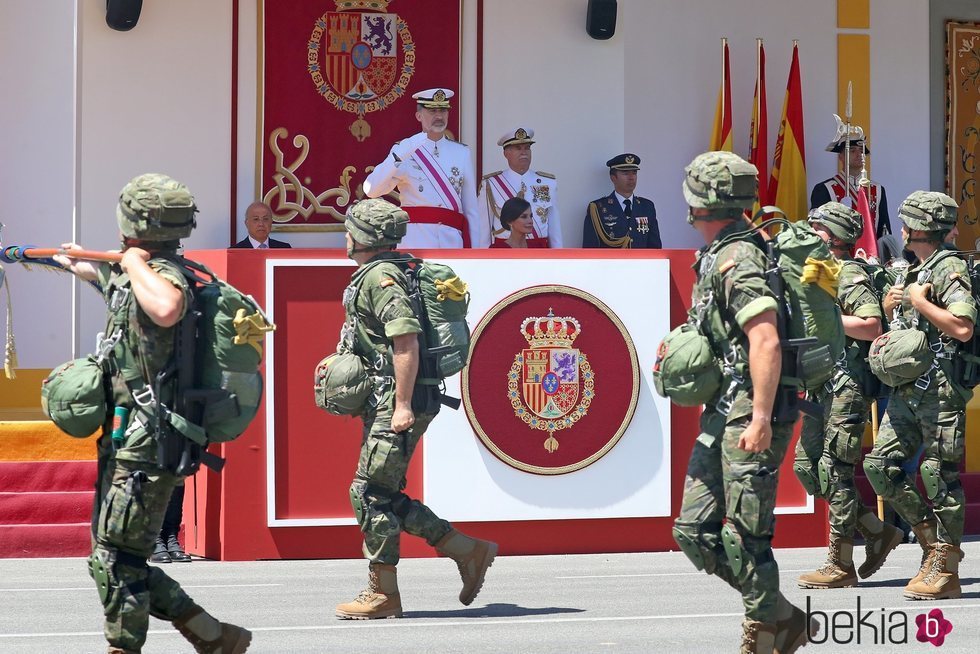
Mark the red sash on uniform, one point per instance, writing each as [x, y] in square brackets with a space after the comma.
[440, 216]
[534, 241]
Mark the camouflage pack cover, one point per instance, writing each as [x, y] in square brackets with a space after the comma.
[155, 207]
[928, 211]
[841, 221]
[376, 223]
[686, 369]
[722, 182]
[900, 356]
[341, 385]
[73, 397]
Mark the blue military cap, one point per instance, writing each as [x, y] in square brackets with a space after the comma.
[625, 161]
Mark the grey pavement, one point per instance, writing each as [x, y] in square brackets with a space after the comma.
[643, 602]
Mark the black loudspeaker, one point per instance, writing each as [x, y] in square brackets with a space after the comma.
[122, 14]
[601, 20]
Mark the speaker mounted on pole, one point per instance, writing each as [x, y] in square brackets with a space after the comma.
[122, 15]
[600, 22]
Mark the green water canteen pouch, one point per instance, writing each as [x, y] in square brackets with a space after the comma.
[686, 369]
[901, 356]
[341, 385]
[73, 396]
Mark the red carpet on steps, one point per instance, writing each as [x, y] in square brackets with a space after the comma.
[45, 508]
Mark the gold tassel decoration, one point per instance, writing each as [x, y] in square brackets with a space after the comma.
[10, 349]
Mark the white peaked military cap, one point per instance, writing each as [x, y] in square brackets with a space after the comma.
[434, 98]
[516, 137]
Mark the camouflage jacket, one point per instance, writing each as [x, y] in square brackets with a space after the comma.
[951, 290]
[139, 347]
[856, 296]
[729, 292]
[377, 310]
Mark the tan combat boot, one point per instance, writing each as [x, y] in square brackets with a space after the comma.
[472, 556]
[758, 637]
[838, 571]
[792, 630]
[379, 600]
[208, 636]
[943, 579]
[879, 541]
[925, 534]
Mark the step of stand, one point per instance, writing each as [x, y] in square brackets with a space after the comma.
[63, 507]
[36, 541]
[40, 476]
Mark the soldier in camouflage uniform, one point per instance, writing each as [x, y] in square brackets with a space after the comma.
[382, 327]
[147, 296]
[830, 447]
[931, 410]
[726, 519]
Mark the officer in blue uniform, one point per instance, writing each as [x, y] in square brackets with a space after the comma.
[621, 219]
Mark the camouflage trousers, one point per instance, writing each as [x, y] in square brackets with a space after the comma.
[726, 483]
[382, 510]
[131, 500]
[828, 450]
[936, 419]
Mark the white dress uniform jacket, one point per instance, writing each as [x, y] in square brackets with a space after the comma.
[431, 174]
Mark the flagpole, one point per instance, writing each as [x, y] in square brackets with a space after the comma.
[724, 98]
[758, 92]
[847, 143]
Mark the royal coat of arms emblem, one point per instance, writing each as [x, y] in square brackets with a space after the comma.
[361, 59]
[551, 384]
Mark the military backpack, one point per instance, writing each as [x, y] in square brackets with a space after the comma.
[686, 369]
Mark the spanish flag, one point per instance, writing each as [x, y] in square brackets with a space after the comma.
[721, 135]
[759, 131]
[787, 186]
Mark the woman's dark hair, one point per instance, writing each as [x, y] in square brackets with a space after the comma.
[512, 210]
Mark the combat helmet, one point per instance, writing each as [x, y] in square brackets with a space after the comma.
[928, 211]
[155, 207]
[841, 221]
[722, 182]
[376, 223]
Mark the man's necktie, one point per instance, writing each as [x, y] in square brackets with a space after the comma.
[263, 246]
[628, 208]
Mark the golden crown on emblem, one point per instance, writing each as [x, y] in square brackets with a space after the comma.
[520, 133]
[373, 5]
[550, 331]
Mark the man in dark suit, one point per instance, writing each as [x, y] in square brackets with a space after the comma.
[621, 219]
[258, 222]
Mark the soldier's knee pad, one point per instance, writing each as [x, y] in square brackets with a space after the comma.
[931, 480]
[883, 473]
[731, 540]
[825, 474]
[358, 501]
[100, 568]
[807, 476]
[687, 539]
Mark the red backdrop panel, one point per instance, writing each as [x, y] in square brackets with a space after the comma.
[338, 94]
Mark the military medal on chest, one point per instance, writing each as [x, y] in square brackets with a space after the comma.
[642, 224]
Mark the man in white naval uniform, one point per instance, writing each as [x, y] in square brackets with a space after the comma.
[518, 180]
[435, 181]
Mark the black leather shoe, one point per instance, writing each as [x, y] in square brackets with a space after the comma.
[160, 553]
[176, 552]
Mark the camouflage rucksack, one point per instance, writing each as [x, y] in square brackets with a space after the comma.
[73, 396]
[686, 369]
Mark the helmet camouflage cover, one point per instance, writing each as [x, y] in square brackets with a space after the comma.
[155, 207]
[928, 211]
[722, 182]
[376, 223]
[841, 221]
